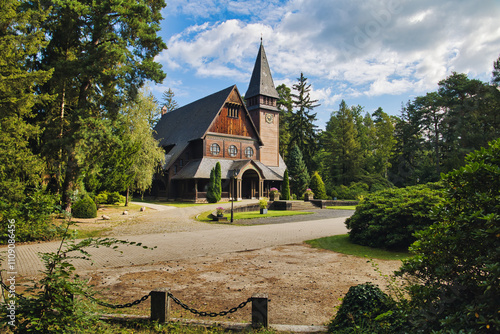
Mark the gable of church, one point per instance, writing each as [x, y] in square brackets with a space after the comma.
[233, 119]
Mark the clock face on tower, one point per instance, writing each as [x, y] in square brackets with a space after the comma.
[269, 118]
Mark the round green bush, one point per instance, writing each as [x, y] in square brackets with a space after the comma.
[388, 219]
[84, 208]
[361, 303]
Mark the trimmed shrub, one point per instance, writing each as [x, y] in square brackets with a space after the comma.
[285, 192]
[317, 186]
[84, 208]
[361, 304]
[389, 218]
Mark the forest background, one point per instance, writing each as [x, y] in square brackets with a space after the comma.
[76, 119]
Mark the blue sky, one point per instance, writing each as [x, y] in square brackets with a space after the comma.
[367, 52]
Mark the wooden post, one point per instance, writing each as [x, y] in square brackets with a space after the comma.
[259, 310]
[160, 305]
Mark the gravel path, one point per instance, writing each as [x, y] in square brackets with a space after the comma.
[176, 235]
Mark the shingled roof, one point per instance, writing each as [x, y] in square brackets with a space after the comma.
[261, 82]
[191, 121]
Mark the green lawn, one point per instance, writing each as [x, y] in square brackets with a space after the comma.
[341, 244]
[342, 207]
[206, 216]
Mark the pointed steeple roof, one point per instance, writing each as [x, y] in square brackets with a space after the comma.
[261, 82]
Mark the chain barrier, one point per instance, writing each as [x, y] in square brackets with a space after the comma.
[113, 306]
[12, 292]
[209, 314]
[145, 297]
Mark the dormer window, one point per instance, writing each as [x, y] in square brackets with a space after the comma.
[232, 110]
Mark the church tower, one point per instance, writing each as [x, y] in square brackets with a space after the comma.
[261, 98]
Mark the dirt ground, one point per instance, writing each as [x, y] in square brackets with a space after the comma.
[304, 284]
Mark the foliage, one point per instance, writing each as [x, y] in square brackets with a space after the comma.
[263, 203]
[52, 306]
[285, 192]
[317, 186]
[352, 192]
[214, 191]
[102, 198]
[361, 307]
[340, 140]
[220, 211]
[298, 171]
[218, 181]
[436, 131]
[389, 218]
[301, 120]
[114, 198]
[456, 263]
[33, 217]
[101, 53]
[274, 191]
[168, 100]
[84, 208]
[285, 106]
[21, 169]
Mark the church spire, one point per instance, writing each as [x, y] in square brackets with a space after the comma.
[261, 82]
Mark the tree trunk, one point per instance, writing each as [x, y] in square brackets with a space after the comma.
[126, 197]
[69, 181]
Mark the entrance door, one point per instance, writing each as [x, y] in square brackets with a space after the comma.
[250, 184]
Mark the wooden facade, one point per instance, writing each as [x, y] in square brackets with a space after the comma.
[243, 136]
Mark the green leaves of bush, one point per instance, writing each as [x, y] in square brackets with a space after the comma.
[457, 259]
[389, 218]
[84, 208]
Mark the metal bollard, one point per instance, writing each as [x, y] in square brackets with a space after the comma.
[259, 310]
[160, 305]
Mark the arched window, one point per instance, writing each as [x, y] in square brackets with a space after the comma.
[248, 152]
[215, 149]
[232, 150]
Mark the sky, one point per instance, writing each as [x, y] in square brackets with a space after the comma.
[373, 53]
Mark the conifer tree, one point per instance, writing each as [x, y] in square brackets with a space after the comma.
[102, 53]
[217, 182]
[211, 197]
[21, 37]
[302, 121]
[317, 186]
[285, 192]
[298, 171]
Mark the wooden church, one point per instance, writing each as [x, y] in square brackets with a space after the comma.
[243, 136]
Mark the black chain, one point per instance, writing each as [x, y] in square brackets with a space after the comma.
[113, 306]
[209, 314]
[12, 292]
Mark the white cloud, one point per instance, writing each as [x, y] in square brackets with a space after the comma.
[346, 48]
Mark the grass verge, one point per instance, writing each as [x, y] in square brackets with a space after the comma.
[206, 216]
[342, 207]
[341, 244]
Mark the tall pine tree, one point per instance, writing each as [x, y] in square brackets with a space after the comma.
[102, 52]
[304, 133]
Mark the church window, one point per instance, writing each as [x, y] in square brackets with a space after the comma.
[214, 149]
[232, 150]
[249, 152]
